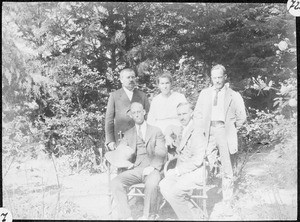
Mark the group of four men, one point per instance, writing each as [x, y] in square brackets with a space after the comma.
[208, 131]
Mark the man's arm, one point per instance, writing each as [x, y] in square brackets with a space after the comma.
[146, 103]
[198, 115]
[160, 151]
[109, 120]
[240, 114]
[150, 116]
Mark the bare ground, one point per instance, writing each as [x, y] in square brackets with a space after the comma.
[263, 191]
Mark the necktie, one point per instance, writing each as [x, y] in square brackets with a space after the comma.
[140, 132]
[216, 97]
[180, 135]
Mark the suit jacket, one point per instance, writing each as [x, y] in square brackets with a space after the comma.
[155, 147]
[191, 149]
[116, 118]
[235, 115]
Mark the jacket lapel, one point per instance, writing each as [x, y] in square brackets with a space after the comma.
[186, 137]
[209, 102]
[132, 138]
[135, 96]
[124, 99]
[123, 96]
[228, 99]
[148, 134]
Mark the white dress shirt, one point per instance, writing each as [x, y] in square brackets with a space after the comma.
[217, 112]
[143, 129]
[128, 93]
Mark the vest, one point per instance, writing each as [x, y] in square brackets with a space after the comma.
[142, 159]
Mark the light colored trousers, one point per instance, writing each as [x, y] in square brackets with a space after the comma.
[176, 190]
[217, 142]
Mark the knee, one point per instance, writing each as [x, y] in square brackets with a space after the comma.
[175, 191]
[151, 185]
[163, 186]
[166, 189]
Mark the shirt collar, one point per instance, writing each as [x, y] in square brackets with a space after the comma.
[127, 90]
[143, 128]
[143, 125]
[222, 90]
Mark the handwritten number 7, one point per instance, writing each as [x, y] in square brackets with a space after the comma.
[295, 6]
[4, 216]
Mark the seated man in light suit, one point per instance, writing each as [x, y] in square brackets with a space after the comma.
[188, 172]
[146, 146]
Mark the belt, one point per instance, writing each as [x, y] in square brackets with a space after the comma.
[217, 123]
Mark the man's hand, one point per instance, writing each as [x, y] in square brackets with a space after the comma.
[169, 142]
[111, 146]
[130, 167]
[148, 170]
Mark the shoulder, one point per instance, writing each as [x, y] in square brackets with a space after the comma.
[139, 92]
[234, 93]
[204, 93]
[154, 129]
[178, 95]
[172, 129]
[156, 98]
[130, 131]
[174, 93]
[236, 96]
[206, 90]
[117, 92]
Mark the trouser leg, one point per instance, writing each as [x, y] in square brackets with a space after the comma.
[118, 187]
[151, 190]
[227, 172]
[176, 191]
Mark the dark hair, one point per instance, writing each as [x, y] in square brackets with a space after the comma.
[165, 74]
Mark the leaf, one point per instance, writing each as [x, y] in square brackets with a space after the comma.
[7, 74]
[270, 83]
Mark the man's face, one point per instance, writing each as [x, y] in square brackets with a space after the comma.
[137, 113]
[184, 114]
[218, 78]
[164, 85]
[127, 79]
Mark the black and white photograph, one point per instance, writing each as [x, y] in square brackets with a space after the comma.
[183, 111]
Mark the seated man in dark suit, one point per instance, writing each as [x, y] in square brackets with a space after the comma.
[148, 154]
[188, 172]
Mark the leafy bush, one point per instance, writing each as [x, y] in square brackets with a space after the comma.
[267, 129]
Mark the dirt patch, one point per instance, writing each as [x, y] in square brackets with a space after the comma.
[267, 189]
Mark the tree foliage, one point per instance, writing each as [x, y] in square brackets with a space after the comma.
[61, 59]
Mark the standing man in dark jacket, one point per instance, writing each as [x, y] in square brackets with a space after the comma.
[117, 120]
